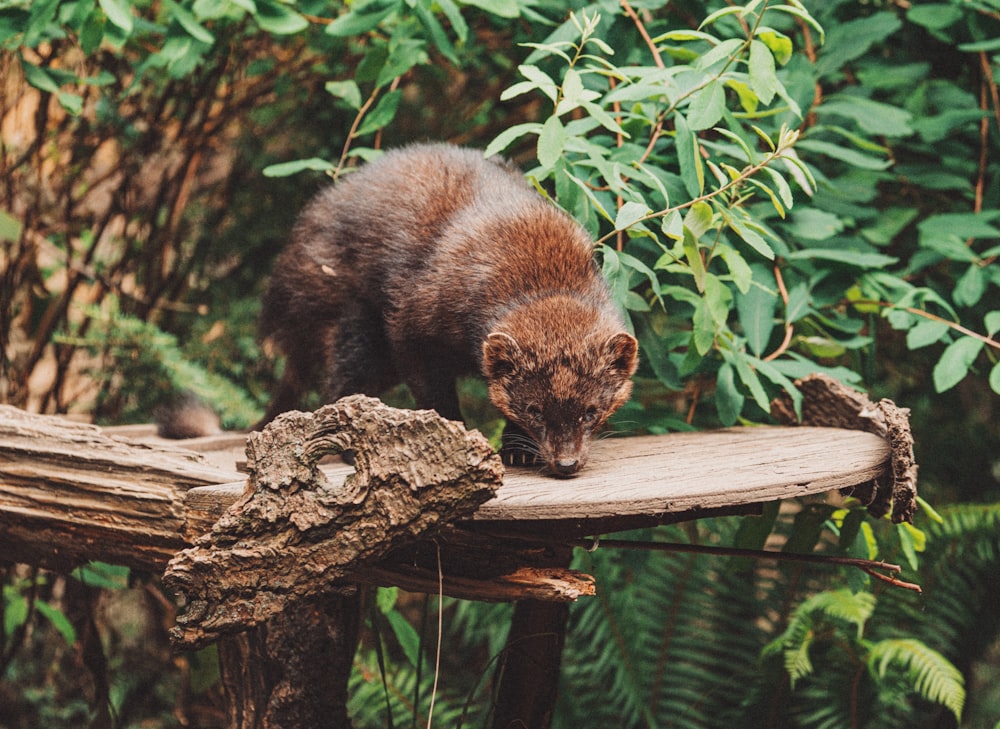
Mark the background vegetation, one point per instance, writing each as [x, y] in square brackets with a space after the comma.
[778, 188]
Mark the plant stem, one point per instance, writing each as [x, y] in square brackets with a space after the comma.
[871, 567]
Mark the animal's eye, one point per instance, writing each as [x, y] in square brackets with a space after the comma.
[589, 416]
[534, 413]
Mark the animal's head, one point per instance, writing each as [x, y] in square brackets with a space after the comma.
[560, 395]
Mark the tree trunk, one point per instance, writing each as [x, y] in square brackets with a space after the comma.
[291, 672]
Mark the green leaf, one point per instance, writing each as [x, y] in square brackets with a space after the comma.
[436, 32]
[784, 189]
[970, 287]
[689, 158]
[692, 254]
[959, 225]
[712, 17]
[102, 575]
[995, 378]
[779, 44]
[503, 8]
[749, 378]
[119, 12]
[284, 169]
[844, 154]
[935, 16]
[756, 312]
[406, 634]
[507, 137]
[630, 213]
[382, 114]
[551, 142]
[188, 22]
[852, 39]
[707, 107]
[813, 224]
[346, 90]
[991, 320]
[955, 362]
[925, 333]
[58, 619]
[10, 227]
[763, 79]
[703, 325]
[873, 117]
[739, 269]
[698, 219]
[540, 80]
[39, 77]
[728, 399]
[798, 10]
[386, 598]
[744, 230]
[454, 15]
[72, 103]
[362, 17]
[861, 259]
[279, 19]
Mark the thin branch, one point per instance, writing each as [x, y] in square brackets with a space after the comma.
[933, 317]
[657, 58]
[365, 108]
[440, 637]
[789, 327]
[868, 566]
[746, 173]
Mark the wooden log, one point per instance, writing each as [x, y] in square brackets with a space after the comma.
[294, 534]
[826, 402]
[629, 480]
[69, 494]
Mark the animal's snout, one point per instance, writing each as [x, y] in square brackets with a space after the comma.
[566, 466]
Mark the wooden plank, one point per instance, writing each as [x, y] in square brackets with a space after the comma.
[689, 471]
[70, 493]
[657, 475]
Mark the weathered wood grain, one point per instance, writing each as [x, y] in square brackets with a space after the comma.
[688, 471]
[658, 475]
[89, 496]
[69, 493]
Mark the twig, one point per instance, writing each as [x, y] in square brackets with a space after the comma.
[933, 317]
[657, 58]
[789, 327]
[365, 108]
[440, 637]
[865, 565]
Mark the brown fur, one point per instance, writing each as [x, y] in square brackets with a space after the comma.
[433, 262]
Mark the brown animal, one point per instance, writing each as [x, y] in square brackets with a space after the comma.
[433, 262]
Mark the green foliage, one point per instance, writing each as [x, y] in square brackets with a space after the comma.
[130, 350]
[777, 188]
[685, 166]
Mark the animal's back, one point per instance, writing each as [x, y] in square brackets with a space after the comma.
[359, 252]
[406, 269]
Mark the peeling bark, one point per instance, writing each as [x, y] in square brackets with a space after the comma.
[828, 403]
[294, 535]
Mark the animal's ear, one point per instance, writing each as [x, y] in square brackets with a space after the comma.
[500, 353]
[621, 350]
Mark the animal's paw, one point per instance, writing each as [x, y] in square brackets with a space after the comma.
[514, 456]
[517, 447]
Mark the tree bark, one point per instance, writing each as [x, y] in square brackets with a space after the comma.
[294, 535]
[292, 670]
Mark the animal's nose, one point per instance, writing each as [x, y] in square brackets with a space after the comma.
[567, 466]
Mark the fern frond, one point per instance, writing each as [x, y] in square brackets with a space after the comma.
[931, 675]
[797, 662]
[843, 605]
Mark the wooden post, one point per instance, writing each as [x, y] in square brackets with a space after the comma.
[293, 669]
